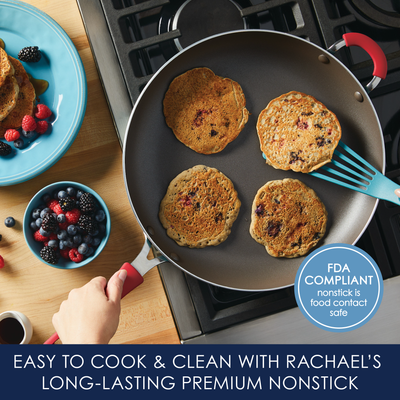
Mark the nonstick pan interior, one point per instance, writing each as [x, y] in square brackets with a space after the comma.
[266, 64]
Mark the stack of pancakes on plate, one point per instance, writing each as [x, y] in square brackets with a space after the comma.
[17, 94]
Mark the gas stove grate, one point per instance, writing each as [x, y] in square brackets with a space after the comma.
[139, 44]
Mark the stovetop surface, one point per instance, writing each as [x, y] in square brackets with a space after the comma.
[145, 34]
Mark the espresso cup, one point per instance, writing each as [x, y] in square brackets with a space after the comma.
[15, 328]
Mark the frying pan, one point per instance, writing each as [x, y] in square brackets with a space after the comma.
[266, 64]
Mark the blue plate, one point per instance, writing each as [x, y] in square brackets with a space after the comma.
[22, 25]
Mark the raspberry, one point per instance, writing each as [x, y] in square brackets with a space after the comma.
[41, 127]
[72, 216]
[42, 111]
[57, 209]
[52, 203]
[28, 123]
[1, 262]
[65, 253]
[75, 256]
[11, 135]
[39, 238]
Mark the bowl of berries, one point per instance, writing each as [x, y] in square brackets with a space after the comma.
[66, 225]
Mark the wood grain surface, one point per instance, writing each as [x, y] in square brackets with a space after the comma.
[94, 159]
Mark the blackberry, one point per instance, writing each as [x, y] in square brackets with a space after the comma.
[30, 54]
[49, 223]
[87, 204]
[49, 254]
[5, 149]
[87, 224]
[66, 203]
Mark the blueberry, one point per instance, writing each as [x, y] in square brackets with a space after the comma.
[36, 213]
[46, 198]
[61, 218]
[79, 193]
[34, 226]
[69, 243]
[28, 134]
[45, 211]
[9, 222]
[83, 248]
[102, 228]
[44, 233]
[38, 222]
[77, 239]
[19, 143]
[100, 215]
[71, 230]
[87, 239]
[95, 233]
[62, 235]
[71, 191]
[96, 241]
[89, 252]
[53, 243]
[62, 194]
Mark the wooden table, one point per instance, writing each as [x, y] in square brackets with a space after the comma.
[94, 159]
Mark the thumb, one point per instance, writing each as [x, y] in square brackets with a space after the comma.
[115, 285]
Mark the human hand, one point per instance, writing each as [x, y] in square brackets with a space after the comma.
[90, 315]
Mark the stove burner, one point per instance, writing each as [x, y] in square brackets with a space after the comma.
[197, 20]
[378, 13]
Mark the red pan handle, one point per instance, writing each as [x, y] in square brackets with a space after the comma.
[372, 48]
[133, 280]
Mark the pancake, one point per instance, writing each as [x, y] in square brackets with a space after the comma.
[288, 218]
[297, 132]
[200, 207]
[205, 111]
[6, 68]
[25, 102]
[9, 91]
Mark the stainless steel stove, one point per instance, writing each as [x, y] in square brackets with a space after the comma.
[132, 39]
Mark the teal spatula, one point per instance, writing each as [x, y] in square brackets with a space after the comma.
[358, 175]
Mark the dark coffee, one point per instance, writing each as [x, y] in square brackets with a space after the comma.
[11, 331]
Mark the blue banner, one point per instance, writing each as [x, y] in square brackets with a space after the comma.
[173, 371]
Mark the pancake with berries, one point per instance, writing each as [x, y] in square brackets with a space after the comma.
[205, 111]
[25, 101]
[288, 218]
[200, 207]
[6, 68]
[9, 91]
[297, 132]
